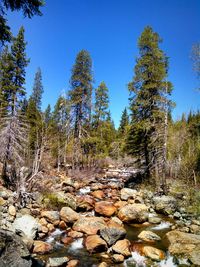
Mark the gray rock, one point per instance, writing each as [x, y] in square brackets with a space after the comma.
[26, 224]
[112, 234]
[165, 204]
[51, 216]
[57, 262]
[127, 193]
[14, 252]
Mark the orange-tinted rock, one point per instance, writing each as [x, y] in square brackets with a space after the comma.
[94, 243]
[153, 253]
[133, 213]
[75, 234]
[66, 240]
[68, 215]
[98, 194]
[122, 247]
[62, 225]
[41, 247]
[89, 225]
[85, 202]
[72, 263]
[105, 208]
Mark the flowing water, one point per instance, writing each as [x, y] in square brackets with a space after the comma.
[76, 249]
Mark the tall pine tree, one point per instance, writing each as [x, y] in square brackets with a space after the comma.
[149, 104]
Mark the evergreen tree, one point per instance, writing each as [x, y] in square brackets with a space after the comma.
[149, 104]
[20, 62]
[13, 126]
[37, 89]
[47, 115]
[6, 80]
[81, 93]
[124, 122]
[101, 104]
[28, 7]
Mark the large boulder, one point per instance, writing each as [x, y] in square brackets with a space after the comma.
[127, 193]
[133, 213]
[184, 244]
[26, 224]
[149, 236]
[13, 251]
[51, 216]
[68, 215]
[112, 233]
[165, 204]
[94, 243]
[89, 225]
[105, 208]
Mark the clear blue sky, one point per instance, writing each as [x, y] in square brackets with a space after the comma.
[109, 30]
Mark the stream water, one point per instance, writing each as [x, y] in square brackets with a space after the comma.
[76, 249]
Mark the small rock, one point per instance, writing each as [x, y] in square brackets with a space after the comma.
[41, 247]
[98, 194]
[12, 210]
[72, 263]
[57, 262]
[153, 253]
[68, 215]
[148, 236]
[51, 216]
[118, 258]
[127, 193]
[103, 264]
[94, 243]
[105, 208]
[122, 247]
[154, 220]
[62, 225]
[133, 213]
[89, 225]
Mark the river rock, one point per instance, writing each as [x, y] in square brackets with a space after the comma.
[12, 210]
[105, 208]
[122, 247]
[153, 253]
[165, 204]
[2, 201]
[148, 236]
[112, 233]
[89, 225]
[57, 262]
[75, 234]
[69, 215]
[98, 194]
[127, 193]
[72, 263]
[26, 224]
[94, 243]
[185, 244]
[41, 247]
[14, 252]
[103, 264]
[51, 216]
[85, 202]
[133, 213]
[117, 258]
[154, 220]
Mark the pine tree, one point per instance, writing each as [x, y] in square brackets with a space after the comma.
[20, 63]
[60, 130]
[149, 104]
[101, 104]
[38, 89]
[13, 126]
[124, 122]
[81, 92]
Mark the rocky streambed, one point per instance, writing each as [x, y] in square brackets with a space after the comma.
[98, 222]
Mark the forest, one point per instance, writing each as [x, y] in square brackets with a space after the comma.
[60, 163]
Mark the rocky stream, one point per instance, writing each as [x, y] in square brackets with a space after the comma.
[97, 222]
